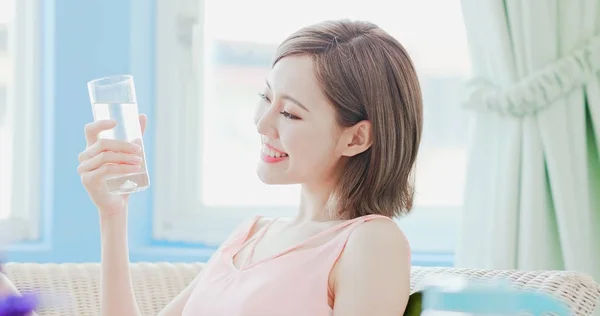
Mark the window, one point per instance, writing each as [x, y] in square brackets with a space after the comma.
[19, 118]
[211, 66]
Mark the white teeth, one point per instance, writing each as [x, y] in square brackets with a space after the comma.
[272, 153]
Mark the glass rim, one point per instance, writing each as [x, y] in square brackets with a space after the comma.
[111, 80]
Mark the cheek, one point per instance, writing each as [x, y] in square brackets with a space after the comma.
[311, 146]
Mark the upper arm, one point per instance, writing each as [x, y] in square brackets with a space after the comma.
[372, 276]
[175, 306]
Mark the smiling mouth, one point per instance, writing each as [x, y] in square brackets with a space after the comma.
[272, 152]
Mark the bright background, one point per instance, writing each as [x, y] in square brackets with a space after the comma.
[82, 40]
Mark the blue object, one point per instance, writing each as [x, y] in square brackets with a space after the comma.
[17, 305]
[491, 297]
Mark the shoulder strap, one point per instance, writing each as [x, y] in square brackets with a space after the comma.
[241, 233]
[338, 242]
[342, 239]
[252, 242]
[340, 226]
[345, 235]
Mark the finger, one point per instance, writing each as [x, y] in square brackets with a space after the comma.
[96, 176]
[93, 129]
[143, 122]
[109, 145]
[108, 157]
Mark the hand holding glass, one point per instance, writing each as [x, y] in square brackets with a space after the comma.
[113, 98]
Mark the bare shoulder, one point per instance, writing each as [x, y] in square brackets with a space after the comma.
[378, 242]
[378, 235]
[374, 267]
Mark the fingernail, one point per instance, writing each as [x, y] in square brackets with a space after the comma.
[138, 148]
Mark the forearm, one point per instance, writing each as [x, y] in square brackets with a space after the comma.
[117, 296]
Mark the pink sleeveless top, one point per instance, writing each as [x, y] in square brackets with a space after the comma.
[287, 283]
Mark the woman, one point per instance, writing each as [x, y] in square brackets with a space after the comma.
[340, 114]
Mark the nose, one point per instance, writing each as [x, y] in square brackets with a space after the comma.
[264, 119]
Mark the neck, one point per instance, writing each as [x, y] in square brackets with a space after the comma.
[313, 200]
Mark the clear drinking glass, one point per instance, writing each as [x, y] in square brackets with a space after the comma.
[114, 98]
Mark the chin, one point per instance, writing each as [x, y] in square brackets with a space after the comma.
[272, 178]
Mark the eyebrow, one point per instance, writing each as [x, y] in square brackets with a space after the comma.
[287, 97]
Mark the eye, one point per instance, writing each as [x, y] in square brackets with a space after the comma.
[287, 115]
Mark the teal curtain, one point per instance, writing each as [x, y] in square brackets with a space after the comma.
[533, 182]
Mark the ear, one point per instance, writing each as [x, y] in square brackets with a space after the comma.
[356, 139]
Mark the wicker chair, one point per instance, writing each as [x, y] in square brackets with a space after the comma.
[155, 284]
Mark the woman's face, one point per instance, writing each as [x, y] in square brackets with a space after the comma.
[299, 133]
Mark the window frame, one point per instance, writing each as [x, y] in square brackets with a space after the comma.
[178, 215]
[25, 50]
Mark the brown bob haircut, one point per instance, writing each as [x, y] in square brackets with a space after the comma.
[367, 74]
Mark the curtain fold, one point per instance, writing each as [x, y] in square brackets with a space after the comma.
[533, 183]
